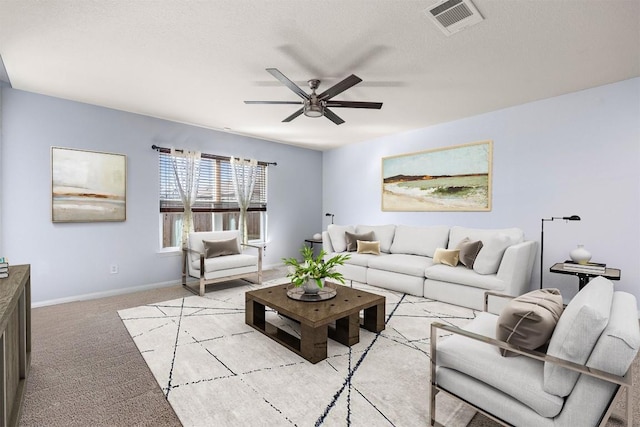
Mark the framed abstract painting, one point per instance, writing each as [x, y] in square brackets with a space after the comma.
[88, 186]
[454, 178]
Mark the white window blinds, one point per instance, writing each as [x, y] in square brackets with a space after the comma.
[215, 189]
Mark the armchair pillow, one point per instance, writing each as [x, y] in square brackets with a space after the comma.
[529, 320]
[352, 239]
[216, 248]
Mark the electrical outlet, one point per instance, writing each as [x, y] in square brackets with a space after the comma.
[114, 269]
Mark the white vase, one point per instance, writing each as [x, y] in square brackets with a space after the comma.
[311, 287]
[580, 255]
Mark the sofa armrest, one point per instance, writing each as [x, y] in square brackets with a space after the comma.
[326, 243]
[260, 249]
[190, 251]
[186, 262]
[625, 380]
[516, 267]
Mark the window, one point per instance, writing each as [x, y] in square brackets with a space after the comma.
[215, 207]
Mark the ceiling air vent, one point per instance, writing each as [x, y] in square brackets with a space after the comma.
[452, 16]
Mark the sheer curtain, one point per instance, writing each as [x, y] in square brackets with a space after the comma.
[186, 166]
[243, 173]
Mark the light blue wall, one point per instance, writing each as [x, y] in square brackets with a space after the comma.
[71, 260]
[573, 154]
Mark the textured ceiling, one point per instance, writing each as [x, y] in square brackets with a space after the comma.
[197, 61]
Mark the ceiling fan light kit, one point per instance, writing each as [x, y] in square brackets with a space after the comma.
[314, 105]
[313, 110]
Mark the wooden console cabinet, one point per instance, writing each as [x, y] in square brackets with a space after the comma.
[15, 341]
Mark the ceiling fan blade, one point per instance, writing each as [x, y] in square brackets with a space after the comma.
[274, 102]
[288, 83]
[340, 87]
[333, 116]
[354, 104]
[293, 116]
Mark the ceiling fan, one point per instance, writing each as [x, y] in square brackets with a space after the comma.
[314, 105]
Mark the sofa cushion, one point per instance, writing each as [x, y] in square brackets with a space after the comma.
[461, 275]
[412, 265]
[458, 233]
[446, 256]
[469, 251]
[215, 248]
[419, 240]
[366, 247]
[529, 320]
[337, 236]
[618, 345]
[352, 239]
[483, 362]
[357, 259]
[227, 262]
[576, 333]
[490, 256]
[382, 233]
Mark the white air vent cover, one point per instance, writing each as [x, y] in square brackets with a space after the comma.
[452, 16]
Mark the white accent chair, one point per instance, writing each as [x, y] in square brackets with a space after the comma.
[586, 367]
[220, 268]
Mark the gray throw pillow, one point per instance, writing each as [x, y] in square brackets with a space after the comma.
[469, 251]
[528, 321]
[352, 239]
[216, 248]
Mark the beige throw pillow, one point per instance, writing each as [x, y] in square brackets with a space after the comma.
[352, 239]
[216, 248]
[365, 247]
[446, 256]
[528, 321]
[469, 251]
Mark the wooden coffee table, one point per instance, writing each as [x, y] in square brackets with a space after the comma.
[316, 318]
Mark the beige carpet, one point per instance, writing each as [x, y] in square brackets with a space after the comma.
[87, 371]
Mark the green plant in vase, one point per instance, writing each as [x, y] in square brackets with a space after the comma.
[312, 271]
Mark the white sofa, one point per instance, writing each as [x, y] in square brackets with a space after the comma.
[405, 263]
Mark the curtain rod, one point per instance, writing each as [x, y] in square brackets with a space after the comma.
[206, 155]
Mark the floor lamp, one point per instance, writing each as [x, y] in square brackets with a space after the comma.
[566, 218]
[331, 215]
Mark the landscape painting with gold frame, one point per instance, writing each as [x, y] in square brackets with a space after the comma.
[447, 179]
[87, 186]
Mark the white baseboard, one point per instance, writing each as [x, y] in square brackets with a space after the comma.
[96, 295]
[122, 291]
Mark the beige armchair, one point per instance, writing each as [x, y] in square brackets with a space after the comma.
[218, 256]
[586, 367]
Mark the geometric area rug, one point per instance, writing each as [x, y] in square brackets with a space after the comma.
[215, 370]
